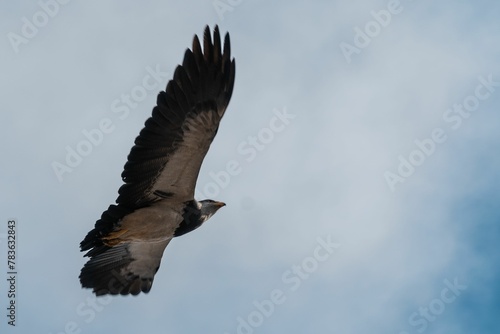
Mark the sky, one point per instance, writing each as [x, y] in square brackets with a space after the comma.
[358, 159]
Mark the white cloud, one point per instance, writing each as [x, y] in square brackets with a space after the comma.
[322, 175]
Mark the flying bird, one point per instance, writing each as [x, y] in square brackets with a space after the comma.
[156, 202]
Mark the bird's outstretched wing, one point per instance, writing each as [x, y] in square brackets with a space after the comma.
[170, 149]
[126, 245]
[126, 268]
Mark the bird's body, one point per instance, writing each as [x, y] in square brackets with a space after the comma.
[156, 222]
[156, 202]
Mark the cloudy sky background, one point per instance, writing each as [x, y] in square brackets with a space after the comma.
[320, 177]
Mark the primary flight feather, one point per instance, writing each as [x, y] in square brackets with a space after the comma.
[156, 202]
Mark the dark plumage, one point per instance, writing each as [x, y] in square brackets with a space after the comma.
[156, 201]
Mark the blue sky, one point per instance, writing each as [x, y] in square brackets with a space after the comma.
[365, 135]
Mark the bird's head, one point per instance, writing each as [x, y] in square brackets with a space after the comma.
[209, 207]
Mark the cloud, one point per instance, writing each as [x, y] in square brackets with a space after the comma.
[322, 175]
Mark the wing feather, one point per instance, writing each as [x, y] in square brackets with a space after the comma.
[124, 269]
[183, 124]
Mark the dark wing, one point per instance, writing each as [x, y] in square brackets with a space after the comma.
[124, 269]
[170, 149]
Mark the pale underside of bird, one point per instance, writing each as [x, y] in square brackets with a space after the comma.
[156, 202]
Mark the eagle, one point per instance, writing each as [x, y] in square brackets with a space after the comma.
[156, 202]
